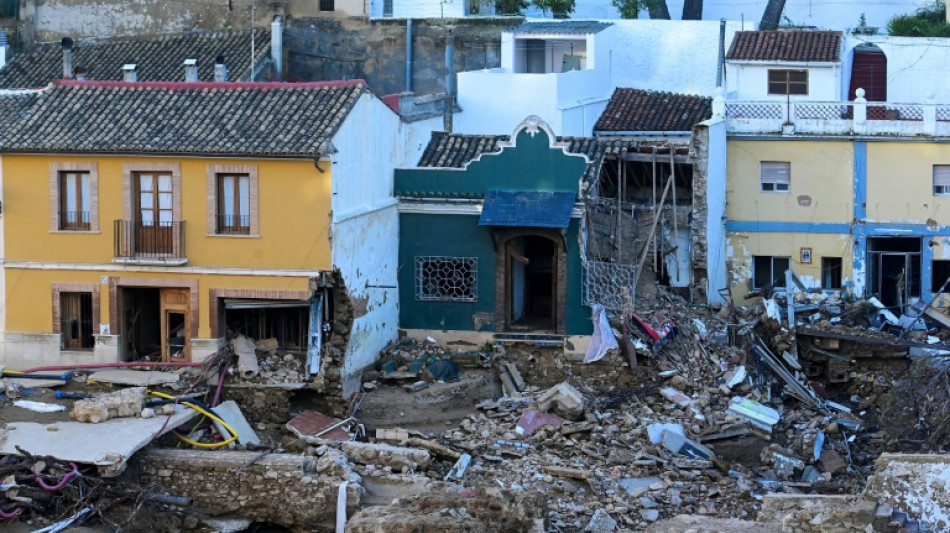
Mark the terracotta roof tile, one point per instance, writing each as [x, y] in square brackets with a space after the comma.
[786, 45]
[567, 27]
[158, 59]
[261, 119]
[637, 110]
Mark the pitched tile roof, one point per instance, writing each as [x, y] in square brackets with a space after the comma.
[247, 119]
[158, 59]
[786, 45]
[453, 150]
[638, 110]
[568, 27]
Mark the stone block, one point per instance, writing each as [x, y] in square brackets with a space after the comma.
[564, 399]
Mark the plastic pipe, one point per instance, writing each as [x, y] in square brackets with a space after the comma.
[60, 395]
[194, 405]
[62, 483]
[14, 514]
[17, 374]
[118, 364]
[217, 392]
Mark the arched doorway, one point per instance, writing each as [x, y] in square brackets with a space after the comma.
[869, 72]
[530, 279]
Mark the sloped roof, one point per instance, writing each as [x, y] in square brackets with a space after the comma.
[453, 150]
[158, 59]
[638, 110]
[568, 27]
[248, 119]
[786, 45]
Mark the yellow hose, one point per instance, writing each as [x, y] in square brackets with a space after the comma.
[212, 416]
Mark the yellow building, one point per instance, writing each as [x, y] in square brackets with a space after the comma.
[147, 220]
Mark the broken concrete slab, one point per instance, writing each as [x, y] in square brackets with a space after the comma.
[676, 396]
[564, 399]
[25, 383]
[310, 424]
[231, 413]
[601, 522]
[679, 443]
[637, 484]
[135, 378]
[655, 431]
[107, 445]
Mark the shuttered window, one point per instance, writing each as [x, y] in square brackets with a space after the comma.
[792, 82]
[775, 176]
[941, 180]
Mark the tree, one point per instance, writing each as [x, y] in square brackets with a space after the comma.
[559, 8]
[508, 7]
[629, 9]
[658, 9]
[772, 15]
[693, 10]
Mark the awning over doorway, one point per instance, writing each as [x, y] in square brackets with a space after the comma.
[534, 209]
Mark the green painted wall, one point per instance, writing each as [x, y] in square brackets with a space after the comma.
[461, 236]
[531, 165]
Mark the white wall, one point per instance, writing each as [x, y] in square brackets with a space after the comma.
[421, 9]
[915, 66]
[663, 55]
[494, 102]
[417, 136]
[716, 208]
[365, 231]
[750, 82]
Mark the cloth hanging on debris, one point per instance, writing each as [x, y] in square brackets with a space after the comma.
[603, 339]
[533, 209]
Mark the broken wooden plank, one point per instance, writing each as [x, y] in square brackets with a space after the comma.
[515, 375]
[434, 447]
[573, 473]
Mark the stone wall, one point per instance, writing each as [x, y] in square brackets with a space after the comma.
[333, 49]
[698, 228]
[289, 490]
[260, 404]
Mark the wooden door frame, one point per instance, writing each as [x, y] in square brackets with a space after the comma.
[503, 308]
[189, 284]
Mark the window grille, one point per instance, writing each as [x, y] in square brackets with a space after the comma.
[447, 279]
[326, 5]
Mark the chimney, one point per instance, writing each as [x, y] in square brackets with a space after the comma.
[4, 48]
[80, 74]
[67, 45]
[128, 72]
[191, 70]
[276, 48]
[220, 69]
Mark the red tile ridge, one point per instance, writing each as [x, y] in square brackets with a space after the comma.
[200, 85]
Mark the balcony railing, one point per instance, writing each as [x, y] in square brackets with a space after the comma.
[74, 221]
[838, 118]
[149, 241]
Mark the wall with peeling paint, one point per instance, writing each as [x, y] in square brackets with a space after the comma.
[365, 229]
[900, 183]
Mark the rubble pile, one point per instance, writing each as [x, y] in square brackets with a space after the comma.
[262, 362]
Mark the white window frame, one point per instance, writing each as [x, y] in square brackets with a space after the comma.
[941, 180]
[770, 179]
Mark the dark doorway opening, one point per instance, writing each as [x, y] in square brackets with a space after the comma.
[532, 278]
[286, 321]
[141, 323]
[894, 269]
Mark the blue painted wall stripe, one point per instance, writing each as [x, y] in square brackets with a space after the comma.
[860, 180]
[755, 226]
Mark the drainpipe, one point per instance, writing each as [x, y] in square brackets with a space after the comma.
[4, 48]
[408, 55]
[67, 44]
[449, 79]
[722, 52]
[277, 47]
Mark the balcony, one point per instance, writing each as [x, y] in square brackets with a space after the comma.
[838, 118]
[150, 243]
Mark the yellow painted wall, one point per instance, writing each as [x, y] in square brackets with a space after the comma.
[821, 181]
[294, 203]
[30, 299]
[900, 183]
[742, 247]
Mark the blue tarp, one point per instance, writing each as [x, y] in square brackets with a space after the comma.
[534, 209]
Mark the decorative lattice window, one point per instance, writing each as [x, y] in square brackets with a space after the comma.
[447, 279]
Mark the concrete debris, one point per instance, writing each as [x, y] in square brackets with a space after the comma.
[532, 419]
[406, 460]
[601, 522]
[231, 413]
[123, 403]
[676, 396]
[417, 386]
[396, 436]
[459, 468]
[247, 364]
[39, 407]
[135, 378]
[565, 400]
[753, 412]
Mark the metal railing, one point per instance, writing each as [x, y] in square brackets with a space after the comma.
[135, 239]
[755, 110]
[233, 224]
[823, 111]
[887, 111]
[74, 221]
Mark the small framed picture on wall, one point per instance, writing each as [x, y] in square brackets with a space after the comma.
[805, 255]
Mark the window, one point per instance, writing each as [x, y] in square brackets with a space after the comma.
[447, 279]
[768, 271]
[941, 180]
[941, 272]
[775, 176]
[74, 200]
[73, 196]
[76, 320]
[788, 82]
[234, 200]
[326, 5]
[830, 272]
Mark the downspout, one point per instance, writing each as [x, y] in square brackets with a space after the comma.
[449, 79]
[722, 52]
[408, 55]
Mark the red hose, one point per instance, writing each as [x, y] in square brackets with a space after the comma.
[118, 364]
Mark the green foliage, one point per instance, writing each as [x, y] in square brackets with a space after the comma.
[560, 8]
[927, 21]
[509, 7]
[629, 9]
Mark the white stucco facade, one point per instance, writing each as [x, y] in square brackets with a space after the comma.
[912, 64]
[419, 9]
[365, 229]
[715, 208]
[749, 80]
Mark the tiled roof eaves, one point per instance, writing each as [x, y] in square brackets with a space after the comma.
[561, 28]
[786, 45]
